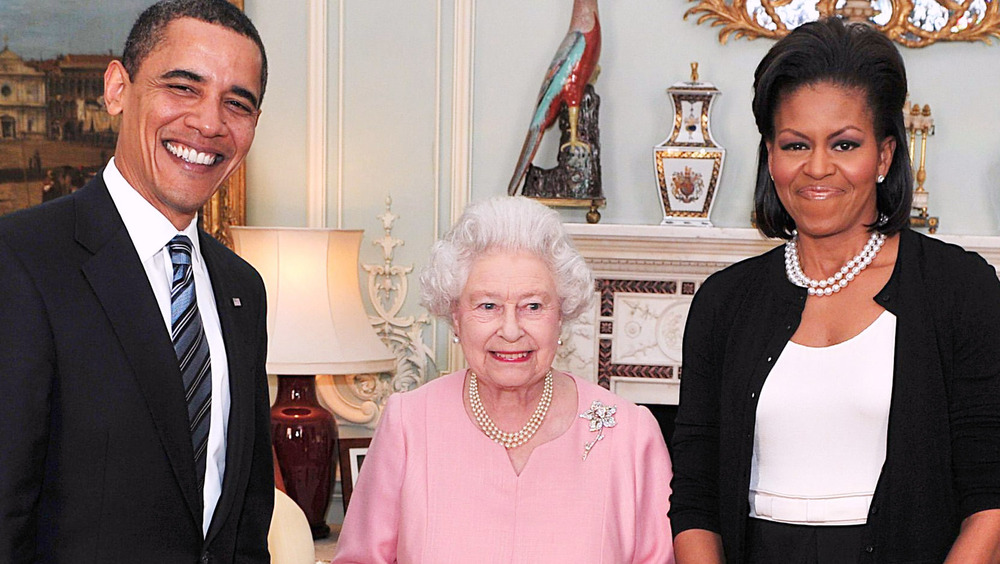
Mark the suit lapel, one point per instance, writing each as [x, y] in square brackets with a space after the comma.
[226, 286]
[120, 283]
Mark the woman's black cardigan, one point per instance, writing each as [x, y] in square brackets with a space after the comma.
[943, 450]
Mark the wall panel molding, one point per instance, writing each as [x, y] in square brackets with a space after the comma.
[316, 110]
[462, 105]
[461, 125]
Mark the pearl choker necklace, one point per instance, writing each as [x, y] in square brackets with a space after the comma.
[839, 280]
[509, 440]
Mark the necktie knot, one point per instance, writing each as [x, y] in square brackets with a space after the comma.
[180, 250]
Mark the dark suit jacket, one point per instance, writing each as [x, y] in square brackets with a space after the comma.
[96, 462]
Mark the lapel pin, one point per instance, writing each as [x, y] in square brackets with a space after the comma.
[237, 302]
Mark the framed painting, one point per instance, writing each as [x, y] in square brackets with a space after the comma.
[55, 132]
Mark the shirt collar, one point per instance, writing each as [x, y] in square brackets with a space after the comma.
[149, 229]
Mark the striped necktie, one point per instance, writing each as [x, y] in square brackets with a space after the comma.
[191, 346]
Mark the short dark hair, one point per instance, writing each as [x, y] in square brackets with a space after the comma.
[148, 29]
[853, 56]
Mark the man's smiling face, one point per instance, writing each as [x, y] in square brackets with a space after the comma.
[188, 116]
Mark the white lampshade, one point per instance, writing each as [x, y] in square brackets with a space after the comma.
[316, 323]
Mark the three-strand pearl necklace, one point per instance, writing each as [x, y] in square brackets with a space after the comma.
[840, 279]
[489, 428]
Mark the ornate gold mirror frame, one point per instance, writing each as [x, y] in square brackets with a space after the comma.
[227, 207]
[229, 204]
[913, 23]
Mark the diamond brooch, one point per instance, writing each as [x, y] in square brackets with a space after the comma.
[601, 417]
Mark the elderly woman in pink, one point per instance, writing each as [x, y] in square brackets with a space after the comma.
[511, 460]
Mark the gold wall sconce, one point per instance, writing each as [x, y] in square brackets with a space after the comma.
[919, 124]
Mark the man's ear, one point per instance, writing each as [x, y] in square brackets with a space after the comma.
[116, 82]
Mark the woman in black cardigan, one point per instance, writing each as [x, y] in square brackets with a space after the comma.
[840, 399]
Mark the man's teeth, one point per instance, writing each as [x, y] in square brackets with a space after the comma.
[511, 356]
[190, 155]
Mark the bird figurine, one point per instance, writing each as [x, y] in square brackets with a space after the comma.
[565, 82]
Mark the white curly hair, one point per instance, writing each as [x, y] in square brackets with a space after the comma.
[507, 224]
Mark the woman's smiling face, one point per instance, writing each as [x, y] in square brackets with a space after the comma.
[825, 158]
[508, 319]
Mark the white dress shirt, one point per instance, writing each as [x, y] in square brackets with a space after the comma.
[150, 232]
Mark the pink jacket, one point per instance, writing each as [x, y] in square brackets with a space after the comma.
[434, 489]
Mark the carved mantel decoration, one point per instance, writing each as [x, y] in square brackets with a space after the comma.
[358, 399]
[388, 286]
[913, 23]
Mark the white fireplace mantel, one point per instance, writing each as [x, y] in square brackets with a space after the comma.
[610, 248]
[656, 249]
[646, 277]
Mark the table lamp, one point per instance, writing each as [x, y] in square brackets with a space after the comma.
[316, 324]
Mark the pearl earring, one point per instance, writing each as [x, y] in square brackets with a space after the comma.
[455, 339]
[880, 179]
[559, 342]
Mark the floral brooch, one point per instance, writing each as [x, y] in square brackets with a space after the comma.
[601, 417]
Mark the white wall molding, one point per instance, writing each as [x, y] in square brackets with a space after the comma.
[438, 111]
[462, 105]
[316, 111]
[461, 124]
[341, 14]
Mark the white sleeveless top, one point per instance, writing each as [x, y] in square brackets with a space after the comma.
[820, 437]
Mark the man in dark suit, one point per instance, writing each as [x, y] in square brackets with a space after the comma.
[133, 399]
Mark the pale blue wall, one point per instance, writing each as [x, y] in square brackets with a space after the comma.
[276, 165]
[383, 129]
[389, 104]
[397, 114]
[648, 46]
[389, 120]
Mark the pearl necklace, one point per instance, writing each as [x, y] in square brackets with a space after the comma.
[840, 279]
[489, 428]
